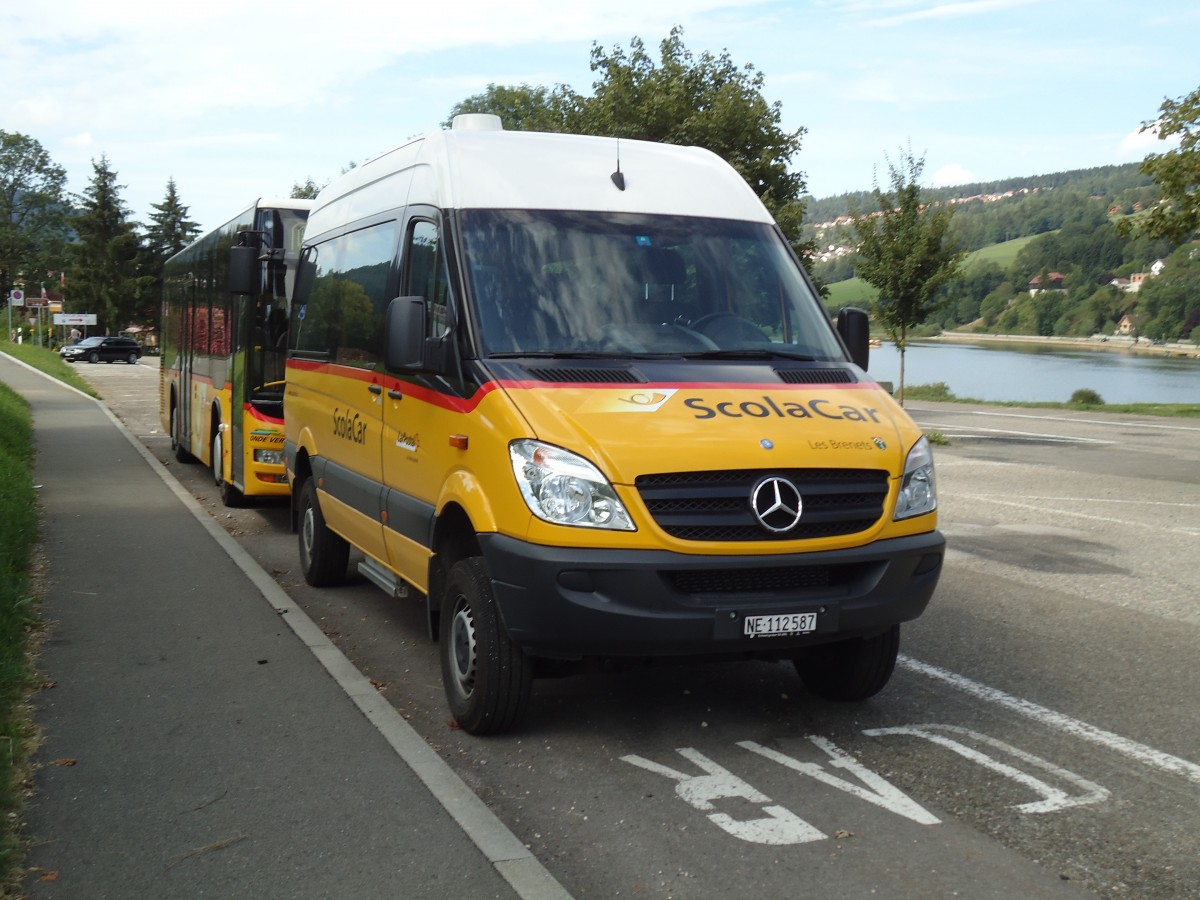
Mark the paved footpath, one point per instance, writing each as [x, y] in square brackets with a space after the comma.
[202, 737]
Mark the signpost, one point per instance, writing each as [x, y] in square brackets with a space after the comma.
[16, 297]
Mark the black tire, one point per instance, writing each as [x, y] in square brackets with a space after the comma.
[181, 455]
[850, 670]
[230, 495]
[323, 554]
[132, 359]
[93, 357]
[486, 676]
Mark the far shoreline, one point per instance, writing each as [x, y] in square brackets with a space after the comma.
[1113, 344]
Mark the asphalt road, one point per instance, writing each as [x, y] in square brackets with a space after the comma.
[1041, 737]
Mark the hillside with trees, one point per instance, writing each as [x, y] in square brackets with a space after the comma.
[1050, 258]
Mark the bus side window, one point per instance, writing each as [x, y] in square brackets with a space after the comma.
[344, 310]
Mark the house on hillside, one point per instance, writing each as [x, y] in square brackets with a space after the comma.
[1127, 326]
[1054, 282]
[1137, 279]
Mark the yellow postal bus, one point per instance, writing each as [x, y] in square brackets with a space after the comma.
[224, 345]
[579, 396]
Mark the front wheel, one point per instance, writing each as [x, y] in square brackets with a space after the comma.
[487, 677]
[850, 670]
[93, 357]
[230, 495]
[323, 554]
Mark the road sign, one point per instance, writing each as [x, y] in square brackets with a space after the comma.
[17, 298]
[74, 318]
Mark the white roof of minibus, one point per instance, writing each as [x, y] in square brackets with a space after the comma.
[488, 168]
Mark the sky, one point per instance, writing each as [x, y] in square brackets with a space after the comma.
[241, 100]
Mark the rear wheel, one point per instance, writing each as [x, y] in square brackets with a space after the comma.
[181, 454]
[487, 677]
[853, 669]
[323, 554]
[132, 359]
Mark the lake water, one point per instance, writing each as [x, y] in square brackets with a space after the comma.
[1039, 374]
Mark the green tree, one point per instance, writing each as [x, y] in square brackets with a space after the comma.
[680, 98]
[33, 211]
[104, 278]
[1171, 301]
[307, 190]
[523, 107]
[1177, 171]
[905, 253]
[169, 231]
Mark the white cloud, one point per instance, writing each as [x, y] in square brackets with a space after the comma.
[1140, 143]
[950, 11]
[951, 174]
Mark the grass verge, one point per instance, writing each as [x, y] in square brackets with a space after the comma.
[18, 617]
[1084, 400]
[49, 362]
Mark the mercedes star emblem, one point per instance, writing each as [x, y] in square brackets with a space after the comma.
[777, 504]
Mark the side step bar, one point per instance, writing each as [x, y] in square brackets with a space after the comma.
[383, 578]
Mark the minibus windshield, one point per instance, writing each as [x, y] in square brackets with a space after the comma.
[598, 284]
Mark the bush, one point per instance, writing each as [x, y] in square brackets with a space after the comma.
[1086, 397]
[937, 391]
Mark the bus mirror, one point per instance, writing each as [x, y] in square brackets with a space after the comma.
[854, 328]
[245, 270]
[405, 342]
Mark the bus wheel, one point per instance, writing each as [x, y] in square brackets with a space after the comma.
[850, 670]
[323, 554]
[486, 676]
[230, 495]
[181, 455]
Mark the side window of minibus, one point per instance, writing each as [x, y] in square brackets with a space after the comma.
[427, 275]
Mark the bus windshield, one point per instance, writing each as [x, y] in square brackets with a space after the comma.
[565, 282]
[283, 233]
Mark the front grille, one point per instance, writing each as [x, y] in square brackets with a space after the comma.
[716, 506]
[787, 579]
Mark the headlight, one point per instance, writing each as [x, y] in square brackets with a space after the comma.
[269, 457]
[918, 490]
[565, 489]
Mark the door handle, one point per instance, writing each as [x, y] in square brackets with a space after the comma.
[375, 389]
[395, 395]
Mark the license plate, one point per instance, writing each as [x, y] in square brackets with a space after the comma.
[771, 626]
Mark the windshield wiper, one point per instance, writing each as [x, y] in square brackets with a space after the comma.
[748, 353]
[545, 354]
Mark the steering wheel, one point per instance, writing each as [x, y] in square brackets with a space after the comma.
[729, 328]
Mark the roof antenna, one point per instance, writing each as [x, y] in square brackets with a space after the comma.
[617, 178]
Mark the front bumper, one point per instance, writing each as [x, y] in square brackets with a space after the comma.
[569, 602]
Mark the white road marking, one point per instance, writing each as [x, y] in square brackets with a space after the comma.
[1133, 750]
[878, 791]
[779, 827]
[983, 433]
[1106, 423]
[1052, 800]
[1058, 510]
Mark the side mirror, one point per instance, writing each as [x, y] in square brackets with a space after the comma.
[854, 327]
[245, 270]
[405, 335]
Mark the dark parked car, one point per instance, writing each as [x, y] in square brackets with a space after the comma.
[108, 349]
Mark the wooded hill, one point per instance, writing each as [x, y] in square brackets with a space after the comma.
[1046, 257]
